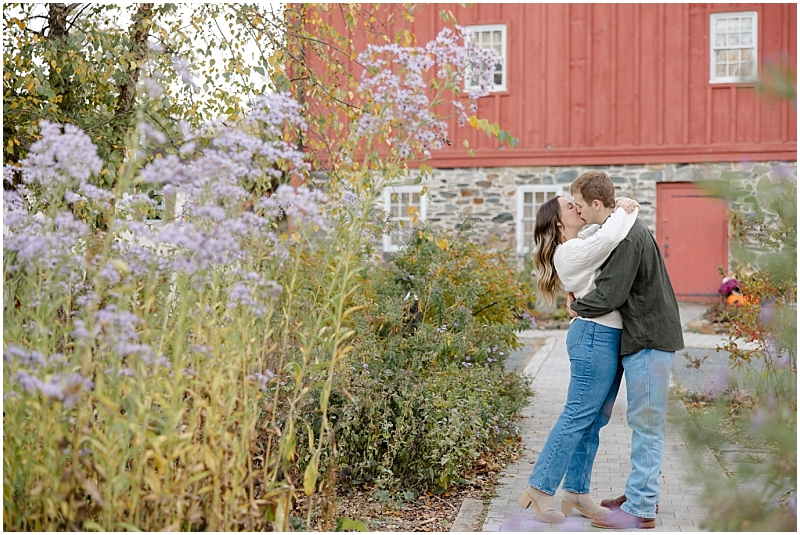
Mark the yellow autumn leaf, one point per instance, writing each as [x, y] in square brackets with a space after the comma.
[413, 214]
[310, 475]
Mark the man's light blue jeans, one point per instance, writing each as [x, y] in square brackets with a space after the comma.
[647, 379]
[571, 447]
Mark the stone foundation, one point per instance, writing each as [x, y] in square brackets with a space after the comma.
[489, 194]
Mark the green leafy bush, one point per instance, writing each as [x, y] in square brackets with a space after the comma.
[426, 375]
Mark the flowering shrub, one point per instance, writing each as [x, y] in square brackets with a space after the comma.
[761, 496]
[403, 113]
[133, 356]
[163, 376]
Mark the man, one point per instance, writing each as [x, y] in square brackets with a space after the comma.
[634, 281]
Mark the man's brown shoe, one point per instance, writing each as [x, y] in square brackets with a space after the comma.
[615, 503]
[619, 519]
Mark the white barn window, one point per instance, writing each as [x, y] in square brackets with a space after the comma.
[529, 199]
[400, 202]
[492, 36]
[734, 47]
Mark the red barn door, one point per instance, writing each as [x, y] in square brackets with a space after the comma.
[692, 232]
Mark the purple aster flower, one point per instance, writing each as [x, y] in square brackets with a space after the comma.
[153, 87]
[783, 360]
[718, 383]
[181, 67]
[151, 132]
[766, 312]
[61, 154]
[263, 379]
[530, 319]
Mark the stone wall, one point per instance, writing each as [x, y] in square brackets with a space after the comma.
[489, 194]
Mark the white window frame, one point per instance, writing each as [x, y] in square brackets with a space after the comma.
[713, 78]
[503, 53]
[522, 247]
[388, 246]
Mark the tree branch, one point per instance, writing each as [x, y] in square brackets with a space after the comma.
[77, 16]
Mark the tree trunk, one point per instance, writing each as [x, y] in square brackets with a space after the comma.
[139, 29]
[57, 35]
[57, 20]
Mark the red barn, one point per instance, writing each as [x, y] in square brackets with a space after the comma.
[657, 95]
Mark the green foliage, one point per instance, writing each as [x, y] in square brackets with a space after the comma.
[561, 314]
[207, 441]
[761, 496]
[429, 391]
[763, 220]
[75, 68]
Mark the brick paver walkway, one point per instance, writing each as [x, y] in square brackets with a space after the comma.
[680, 509]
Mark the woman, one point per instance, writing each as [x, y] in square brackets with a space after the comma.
[571, 258]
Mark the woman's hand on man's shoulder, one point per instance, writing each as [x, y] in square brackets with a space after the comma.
[629, 205]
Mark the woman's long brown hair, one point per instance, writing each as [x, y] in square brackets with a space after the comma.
[546, 237]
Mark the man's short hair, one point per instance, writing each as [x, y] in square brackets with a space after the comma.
[594, 185]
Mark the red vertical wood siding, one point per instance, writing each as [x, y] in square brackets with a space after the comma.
[649, 76]
[620, 83]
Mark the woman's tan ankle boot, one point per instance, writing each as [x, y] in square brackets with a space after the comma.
[543, 503]
[583, 503]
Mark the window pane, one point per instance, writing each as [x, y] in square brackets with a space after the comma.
[486, 38]
[528, 229]
[539, 197]
[721, 70]
[415, 199]
[733, 25]
[550, 194]
[527, 213]
[720, 39]
[747, 54]
[747, 69]
[528, 198]
[746, 23]
[720, 26]
[733, 56]
[498, 37]
[498, 79]
[733, 70]
[747, 38]
[733, 38]
[722, 55]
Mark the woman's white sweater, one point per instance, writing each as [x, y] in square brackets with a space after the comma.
[577, 261]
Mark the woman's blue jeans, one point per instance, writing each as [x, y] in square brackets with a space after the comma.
[595, 375]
